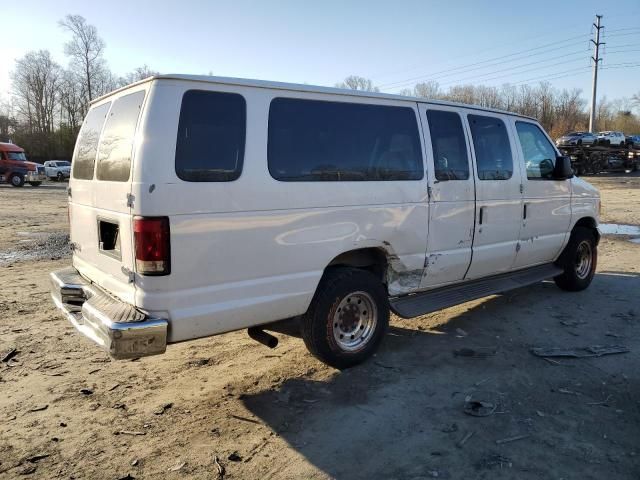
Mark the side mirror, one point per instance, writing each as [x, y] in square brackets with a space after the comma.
[562, 169]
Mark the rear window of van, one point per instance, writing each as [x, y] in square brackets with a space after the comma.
[211, 136]
[116, 142]
[87, 144]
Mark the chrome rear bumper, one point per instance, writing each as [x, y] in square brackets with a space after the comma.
[117, 327]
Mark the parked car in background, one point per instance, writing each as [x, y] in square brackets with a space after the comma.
[341, 205]
[633, 141]
[611, 138]
[16, 170]
[576, 138]
[57, 169]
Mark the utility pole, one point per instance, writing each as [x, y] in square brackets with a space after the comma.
[596, 59]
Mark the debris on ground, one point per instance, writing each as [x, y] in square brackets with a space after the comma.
[566, 391]
[234, 457]
[86, 391]
[579, 352]
[163, 408]
[37, 457]
[476, 352]
[9, 354]
[219, 467]
[479, 408]
[177, 467]
[492, 461]
[460, 333]
[450, 428]
[39, 408]
[465, 439]
[129, 432]
[511, 439]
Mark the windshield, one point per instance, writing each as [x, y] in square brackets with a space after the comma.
[64, 164]
[17, 156]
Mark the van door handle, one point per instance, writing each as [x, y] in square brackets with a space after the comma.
[481, 218]
[524, 212]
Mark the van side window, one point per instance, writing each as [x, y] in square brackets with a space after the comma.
[449, 146]
[116, 142]
[87, 144]
[211, 136]
[319, 141]
[491, 145]
[539, 154]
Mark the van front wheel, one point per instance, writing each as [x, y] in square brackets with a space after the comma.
[347, 318]
[578, 260]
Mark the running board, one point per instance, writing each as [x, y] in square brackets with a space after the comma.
[417, 304]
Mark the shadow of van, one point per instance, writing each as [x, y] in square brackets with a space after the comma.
[401, 414]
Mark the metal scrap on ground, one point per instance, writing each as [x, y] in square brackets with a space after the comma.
[579, 352]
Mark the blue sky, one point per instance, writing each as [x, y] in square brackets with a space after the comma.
[393, 43]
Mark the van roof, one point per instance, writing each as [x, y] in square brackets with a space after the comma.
[245, 82]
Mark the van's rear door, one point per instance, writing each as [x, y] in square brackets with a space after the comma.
[100, 192]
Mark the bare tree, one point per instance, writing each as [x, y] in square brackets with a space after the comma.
[354, 82]
[35, 82]
[430, 89]
[8, 123]
[85, 49]
[137, 74]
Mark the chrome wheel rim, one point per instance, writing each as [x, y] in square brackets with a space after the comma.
[15, 180]
[584, 260]
[354, 321]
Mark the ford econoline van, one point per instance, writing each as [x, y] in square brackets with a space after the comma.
[202, 205]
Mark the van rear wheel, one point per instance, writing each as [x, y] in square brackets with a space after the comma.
[579, 261]
[347, 318]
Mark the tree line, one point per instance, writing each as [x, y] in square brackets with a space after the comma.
[559, 111]
[48, 102]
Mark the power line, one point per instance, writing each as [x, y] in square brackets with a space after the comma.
[511, 69]
[468, 67]
[475, 53]
[576, 71]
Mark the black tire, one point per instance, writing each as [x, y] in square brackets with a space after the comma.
[16, 180]
[578, 260]
[60, 176]
[35, 184]
[322, 327]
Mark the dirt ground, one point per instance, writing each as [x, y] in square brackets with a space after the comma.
[68, 411]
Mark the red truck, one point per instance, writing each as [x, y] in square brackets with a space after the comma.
[16, 170]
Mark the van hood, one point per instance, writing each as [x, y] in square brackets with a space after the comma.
[583, 189]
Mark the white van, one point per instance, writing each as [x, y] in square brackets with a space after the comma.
[203, 205]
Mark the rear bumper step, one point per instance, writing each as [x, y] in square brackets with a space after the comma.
[116, 326]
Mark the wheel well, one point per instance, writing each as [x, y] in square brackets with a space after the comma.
[372, 259]
[590, 223]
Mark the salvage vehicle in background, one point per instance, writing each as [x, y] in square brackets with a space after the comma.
[576, 138]
[611, 138]
[633, 142]
[57, 169]
[202, 205]
[16, 170]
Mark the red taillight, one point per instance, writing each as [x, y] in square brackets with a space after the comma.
[152, 244]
